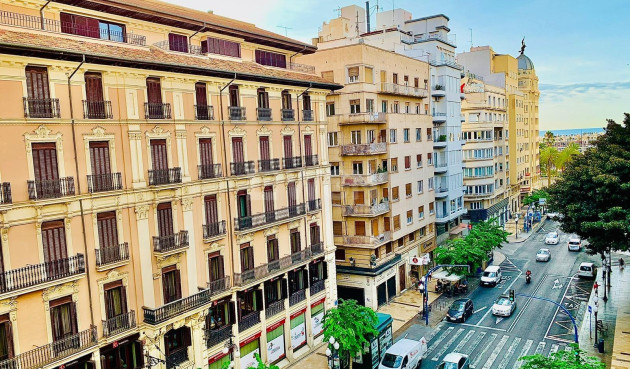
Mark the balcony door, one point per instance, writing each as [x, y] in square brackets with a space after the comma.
[211, 208]
[6, 338]
[311, 189]
[308, 148]
[296, 242]
[265, 154]
[249, 302]
[55, 249]
[159, 157]
[165, 219]
[94, 90]
[291, 197]
[269, 206]
[234, 96]
[237, 150]
[45, 162]
[315, 234]
[247, 257]
[115, 301]
[206, 159]
[298, 280]
[63, 321]
[244, 204]
[288, 146]
[201, 94]
[263, 98]
[107, 230]
[37, 83]
[286, 100]
[171, 284]
[306, 102]
[215, 266]
[154, 91]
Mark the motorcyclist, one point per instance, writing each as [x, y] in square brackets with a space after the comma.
[528, 275]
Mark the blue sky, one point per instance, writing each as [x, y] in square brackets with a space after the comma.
[581, 49]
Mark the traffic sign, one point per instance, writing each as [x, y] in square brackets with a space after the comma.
[590, 309]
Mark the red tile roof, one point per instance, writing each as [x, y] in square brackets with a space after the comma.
[149, 56]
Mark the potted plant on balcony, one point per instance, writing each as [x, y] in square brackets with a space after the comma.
[442, 138]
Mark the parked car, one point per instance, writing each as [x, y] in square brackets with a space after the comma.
[587, 270]
[575, 244]
[454, 360]
[552, 238]
[553, 216]
[491, 276]
[503, 306]
[460, 310]
[543, 255]
[404, 354]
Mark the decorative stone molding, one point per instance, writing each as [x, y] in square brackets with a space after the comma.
[308, 130]
[271, 230]
[212, 247]
[163, 261]
[294, 224]
[287, 131]
[180, 134]
[60, 290]
[5, 234]
[142, 212]
[44, 134]
[135, 136]
[263, 131]
[248, 237]
[9, 306]
[204, 131]
[187, 204]
[236, 132]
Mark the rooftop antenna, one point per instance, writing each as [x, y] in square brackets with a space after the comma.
[285, 30]
[471, 42]
[338, 10]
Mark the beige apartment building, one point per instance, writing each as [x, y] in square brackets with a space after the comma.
[528, 85]
[485, 155]
[380, 144]
[166, 195]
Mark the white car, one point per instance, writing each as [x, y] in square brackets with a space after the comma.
[553, 216]
[575, 244]
[491, 276]
[454, 360]
[543, 255]
[552, 238]
[503, 306]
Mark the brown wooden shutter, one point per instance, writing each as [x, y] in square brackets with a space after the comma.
[201, 93]
[359, 198]
[288, 146]
[205, 151]
[154, 91]
[178, 284]
[337, 228]
[54, 240]
[37, 83]
[237, 149]
[291, 193]
[99, 155]
[220, 261]
[311, 189]
[93, 87]
[45, 161]
[264, 148]
[159, 156]
[107, 229]
[359, 228]
[407, 162]
[212, 213]
[269, 199]
[308, 148]
[165, 219]
[386, 225]
[248, 203]
[234, 98]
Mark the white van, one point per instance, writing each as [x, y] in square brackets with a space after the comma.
[491, 276]
[404, 354]
[587, 270]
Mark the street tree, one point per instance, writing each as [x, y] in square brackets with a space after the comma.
[261, 364]
[548, 158]
[351, 325]
[573, 359]
[566, 156]
[535, 196]
[487, 235]
[549, 138]
[593, 192]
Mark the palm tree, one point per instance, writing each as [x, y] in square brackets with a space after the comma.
[548, 158]
[549, 139]
[566, 155]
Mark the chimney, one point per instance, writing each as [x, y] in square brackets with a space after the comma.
[367, 15]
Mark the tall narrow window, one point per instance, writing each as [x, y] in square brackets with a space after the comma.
[6, 338]
[177, 42]
[288, 149]
[63, 318]
[295, 241]
[107, 229]
[45, 161]
[308, 151]
[115, 299]
[171, 284]
[247, 257]
[154, 91]
[94, 101]
[165, 219]
[37, 83]
[206, 159]
[213, 228]
[273, 253]
[234, 96]
[315, 234]
[237, 150]
[215, 266]
[269, 206]
[286, 100]
[55, 249]
[291, 195]
[311, 189]
[203, 110]
[159, 157]
[263, 98]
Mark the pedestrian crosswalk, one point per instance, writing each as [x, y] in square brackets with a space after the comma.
[486, 349]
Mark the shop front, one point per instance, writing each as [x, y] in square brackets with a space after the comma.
[275, 342]
[372, 354]
[125, 353]
[249, 348]
[84, 362]
[298, 329]
[220, 360]
[318, 310]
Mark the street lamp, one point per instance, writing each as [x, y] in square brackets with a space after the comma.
[516, 223]
[229, 346]
[333, 356]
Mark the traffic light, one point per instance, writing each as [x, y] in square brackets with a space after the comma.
[511, 295]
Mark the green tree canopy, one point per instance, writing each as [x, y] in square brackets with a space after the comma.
[351, 325]
[549, 139]
[566, 155]
[535, 196]
[261, 364]
[548, 158]
[593, 192]
[574, 359]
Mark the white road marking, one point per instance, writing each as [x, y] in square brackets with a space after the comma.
[493, 336]
[540, 348]
[556, 284]
[499, 319]
[476, 343]
[478, 310]
[510, 352]
[554, 349]
[495, 352]
[447, 345]
[524, 350]
[464, 341]
[439, 340]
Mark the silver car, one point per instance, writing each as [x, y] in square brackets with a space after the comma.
[543, 255]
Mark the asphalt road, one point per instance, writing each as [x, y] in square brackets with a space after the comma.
[535, 326]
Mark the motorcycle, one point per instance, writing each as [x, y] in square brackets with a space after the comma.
[528, 278]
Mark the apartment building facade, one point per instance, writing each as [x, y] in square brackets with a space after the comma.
[528, 85]
[382, 166]
[485, 154]
[164, 191]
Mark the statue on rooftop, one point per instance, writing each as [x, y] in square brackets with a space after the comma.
[523, 46]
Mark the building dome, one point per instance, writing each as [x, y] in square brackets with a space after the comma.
[524, 62]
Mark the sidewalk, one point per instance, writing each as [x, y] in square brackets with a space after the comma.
[615, 314]
[522, 236]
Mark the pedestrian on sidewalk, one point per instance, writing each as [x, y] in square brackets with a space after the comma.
[622, 264]
[595, 286]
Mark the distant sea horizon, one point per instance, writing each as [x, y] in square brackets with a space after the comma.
[575, 131]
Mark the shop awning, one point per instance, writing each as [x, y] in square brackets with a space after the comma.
[458, 230]
[443, 275]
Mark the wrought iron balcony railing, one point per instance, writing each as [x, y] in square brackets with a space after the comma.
[97, 109]
[248, 321]
[243, 168]
[104, 182]
[217, 336]
[366, 210]
[367, 241]
[311, 160]
[182, 47]
[314, 205]
[208, 171]
[157, 111]
[218, 286]
[214, 229]
[271, 268]
[365, 179]
[307, 115]
[317, 248]
[317, 287]
[33, 275]
[288, 115]
[111, 255]
[364, 149]
[175, 308]
[204, 112]
[293, 162]
[165, 176]
[5, 193]
[50, 188]
[268, 165]
[263, 114]
[297, 297]
[261, 219]
[41, 108]
[171, 242]
[175, 359]
[237, 112]
[119, 323]
[274, 308]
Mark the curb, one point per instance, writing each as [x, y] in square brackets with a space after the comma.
[534, 230]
